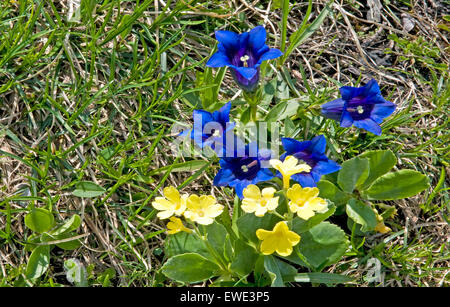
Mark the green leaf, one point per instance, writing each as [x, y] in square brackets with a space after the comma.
[182, 242]
[300, 226]
[244, 258]
[38, 262]
[189, 268]
[71, 224]
[329, 191]
[353, 173]
[216, 235]
[380, 162]
[361, 214]
[249, 223]
[88, 189]
[282, 110]
[322, 245]
[39, 220]
[397, 185]
[188, 166]
[280, 272]
[322, 278]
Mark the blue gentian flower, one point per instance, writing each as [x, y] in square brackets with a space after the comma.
[363, 107]
[243, 53]
[211, 129]
[243, 169]
[312, 153]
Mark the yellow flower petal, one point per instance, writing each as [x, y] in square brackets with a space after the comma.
[252, 191]
[304, 201]
[171, 204]
[280, 239]
[258, 202]
[268, 192]
[172, 194]
[289, 167]
[202, 209]
[176, 225]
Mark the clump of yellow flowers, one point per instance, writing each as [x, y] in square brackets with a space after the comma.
[302, 201]
[196, 209]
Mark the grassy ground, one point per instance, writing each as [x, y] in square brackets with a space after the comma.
[93, 98]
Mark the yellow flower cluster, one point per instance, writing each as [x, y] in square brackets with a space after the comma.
[302, 201]
[199, 209]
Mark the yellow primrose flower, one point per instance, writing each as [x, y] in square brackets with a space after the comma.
[202, 209]
[280, 239]
[176, 225]
[289, 167]
[258, 201]
[381, 227]
[304, 201]
[172, 204]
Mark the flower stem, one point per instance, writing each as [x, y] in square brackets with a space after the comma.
[253, 108]
[213, 252]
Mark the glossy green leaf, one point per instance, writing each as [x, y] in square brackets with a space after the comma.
[39, 220]
[69, 225]
[88, 189]
[244, 258]
[280, 272]
[300, 226]
[380, 162]
[216, 234]
[353, 173]
[182, 242]
[328, 190]
[397, 185]
[321, 246]
[361, 214]
[189, 268]
[39, 261]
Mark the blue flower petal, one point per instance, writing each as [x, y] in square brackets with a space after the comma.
[257, 37]
[246, 72]
[223, 114]
[381, 111]
[318, 145]
[218, 59]
[304, 179]
[223, 177]
[369, 125]
[333, 109]
[371, 88]
[229, 39]
[326, 167]
[292, 146]
[239, 188]
[264, 174]
[348, 92]
[346, 119]
[269, 55]
[243, 40]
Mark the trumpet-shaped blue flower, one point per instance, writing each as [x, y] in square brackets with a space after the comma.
[211, 128]
[363, 107]
[243, 53]
[244, 169]
[312, 153]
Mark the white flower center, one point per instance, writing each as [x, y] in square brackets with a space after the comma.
[360, 109]
[244, 168]
[244, 59]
